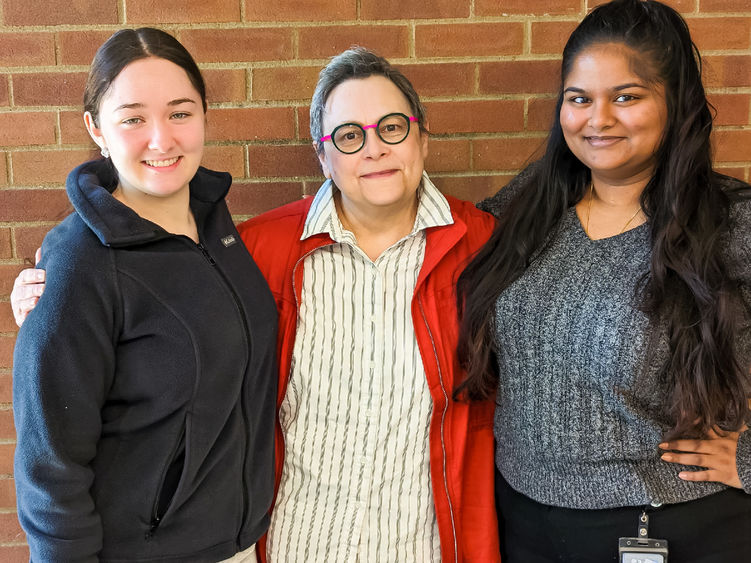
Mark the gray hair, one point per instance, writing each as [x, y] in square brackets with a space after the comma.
[358, 62]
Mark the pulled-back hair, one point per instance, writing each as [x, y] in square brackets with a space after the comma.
[687, 285]
[126, 46]
[354, 63]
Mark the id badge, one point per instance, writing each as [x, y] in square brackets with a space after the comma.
[642, 550]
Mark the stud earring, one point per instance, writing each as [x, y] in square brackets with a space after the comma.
[105, 152]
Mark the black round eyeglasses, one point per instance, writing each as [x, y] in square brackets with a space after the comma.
[349, 138]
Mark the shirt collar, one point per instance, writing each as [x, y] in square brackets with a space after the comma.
[432, 211]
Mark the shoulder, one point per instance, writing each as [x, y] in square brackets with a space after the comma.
[474, 218]
[279, 219]
[738, 238]
[498, 203]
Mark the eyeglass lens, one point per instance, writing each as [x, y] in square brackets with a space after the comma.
[391, 129]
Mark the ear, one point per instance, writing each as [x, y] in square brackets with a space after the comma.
[322, 159]
[424, 143]
[94, 131]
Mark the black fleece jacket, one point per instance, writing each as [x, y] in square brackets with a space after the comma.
[144, 385]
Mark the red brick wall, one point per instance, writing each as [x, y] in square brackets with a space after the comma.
[486, 68]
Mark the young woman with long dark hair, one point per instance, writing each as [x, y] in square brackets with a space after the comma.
[619, 343]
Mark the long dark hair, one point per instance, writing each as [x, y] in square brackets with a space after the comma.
[127, 46]
[687, 285]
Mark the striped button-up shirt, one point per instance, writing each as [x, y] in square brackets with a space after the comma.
[356, 481]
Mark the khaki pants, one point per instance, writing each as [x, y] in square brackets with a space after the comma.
[246, 556]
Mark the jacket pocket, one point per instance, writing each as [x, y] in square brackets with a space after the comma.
[168, 485]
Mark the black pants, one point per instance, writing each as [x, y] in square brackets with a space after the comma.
[713, 529]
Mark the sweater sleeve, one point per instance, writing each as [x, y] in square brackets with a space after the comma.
[63, 367]
[497, 204]
[739, 262]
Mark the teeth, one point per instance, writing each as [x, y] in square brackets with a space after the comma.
[160, 163]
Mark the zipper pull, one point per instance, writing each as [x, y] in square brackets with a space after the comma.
[152, 528]
[206, 254]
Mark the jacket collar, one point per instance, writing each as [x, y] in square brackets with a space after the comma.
[90, 186]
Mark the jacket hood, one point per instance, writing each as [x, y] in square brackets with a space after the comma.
[90, 185]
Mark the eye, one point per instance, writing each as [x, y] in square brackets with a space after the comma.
[180, 115]
[626, 98]
[579, 100]
[132, 121]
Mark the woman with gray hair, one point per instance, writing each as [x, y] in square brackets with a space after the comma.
[374, 459]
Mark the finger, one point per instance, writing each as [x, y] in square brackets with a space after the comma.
[698, 460]
[705, 475]
[31, 275]
[38, 255]
[686, 445]
[28, 291]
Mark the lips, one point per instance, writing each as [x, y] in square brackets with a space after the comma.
[602, 141]
[380, 174]
[162, 163]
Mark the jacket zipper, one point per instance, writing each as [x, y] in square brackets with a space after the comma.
[443, 421]
[243, 406]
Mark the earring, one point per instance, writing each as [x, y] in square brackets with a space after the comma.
[105, 152]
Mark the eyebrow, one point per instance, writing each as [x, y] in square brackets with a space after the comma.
[615, 89]
[138, 105]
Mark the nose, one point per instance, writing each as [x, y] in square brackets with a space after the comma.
[601, 117]
[374, 147]
[161, 138]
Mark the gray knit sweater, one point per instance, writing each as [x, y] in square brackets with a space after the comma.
[581, 405]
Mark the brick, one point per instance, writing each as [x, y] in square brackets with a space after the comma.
[79, 47]
[519, 76]
[727, 71]
[56, 12]
[244, 124]
[10, 529]
[678, 5]
[254, 198]
[540, 113]
[534, 7]
[3, 169]
[28, 239]
[34, 168]
[724, 6]
[486, 116]
[506, 154]
[282, 160]
[7, 322]
[27, 128]
[311, 187]
[225, 158]
[238, 45]
[285, 83]
[471, 188]
[448, 155]
[735, 33]
[7, 451]
[441, 79]
[6, 380]
[6, 249]
[8, 273]
[294, 10]
[225, 85]
[183, 11]
[7, 494]
[6, 348]
[415, 9]
[732, 145]
[33, 205]
[303, 122]
[27, 49]
[551, 37]
[49, 89]
[14, 553]
[735, 172]
[72, 129]
[4, 91]
[390, 41]
[732, 109]
[472, 39]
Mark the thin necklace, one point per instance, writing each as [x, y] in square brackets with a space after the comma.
[589, 210]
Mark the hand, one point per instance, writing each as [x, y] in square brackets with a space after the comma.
[27, 288]
[716, 454]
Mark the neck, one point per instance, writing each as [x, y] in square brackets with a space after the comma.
[611, 208]
[172, 213]
[378, 228]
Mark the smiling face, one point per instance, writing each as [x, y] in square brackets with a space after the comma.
[380, 177]
[152, 122]
[612, 119]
